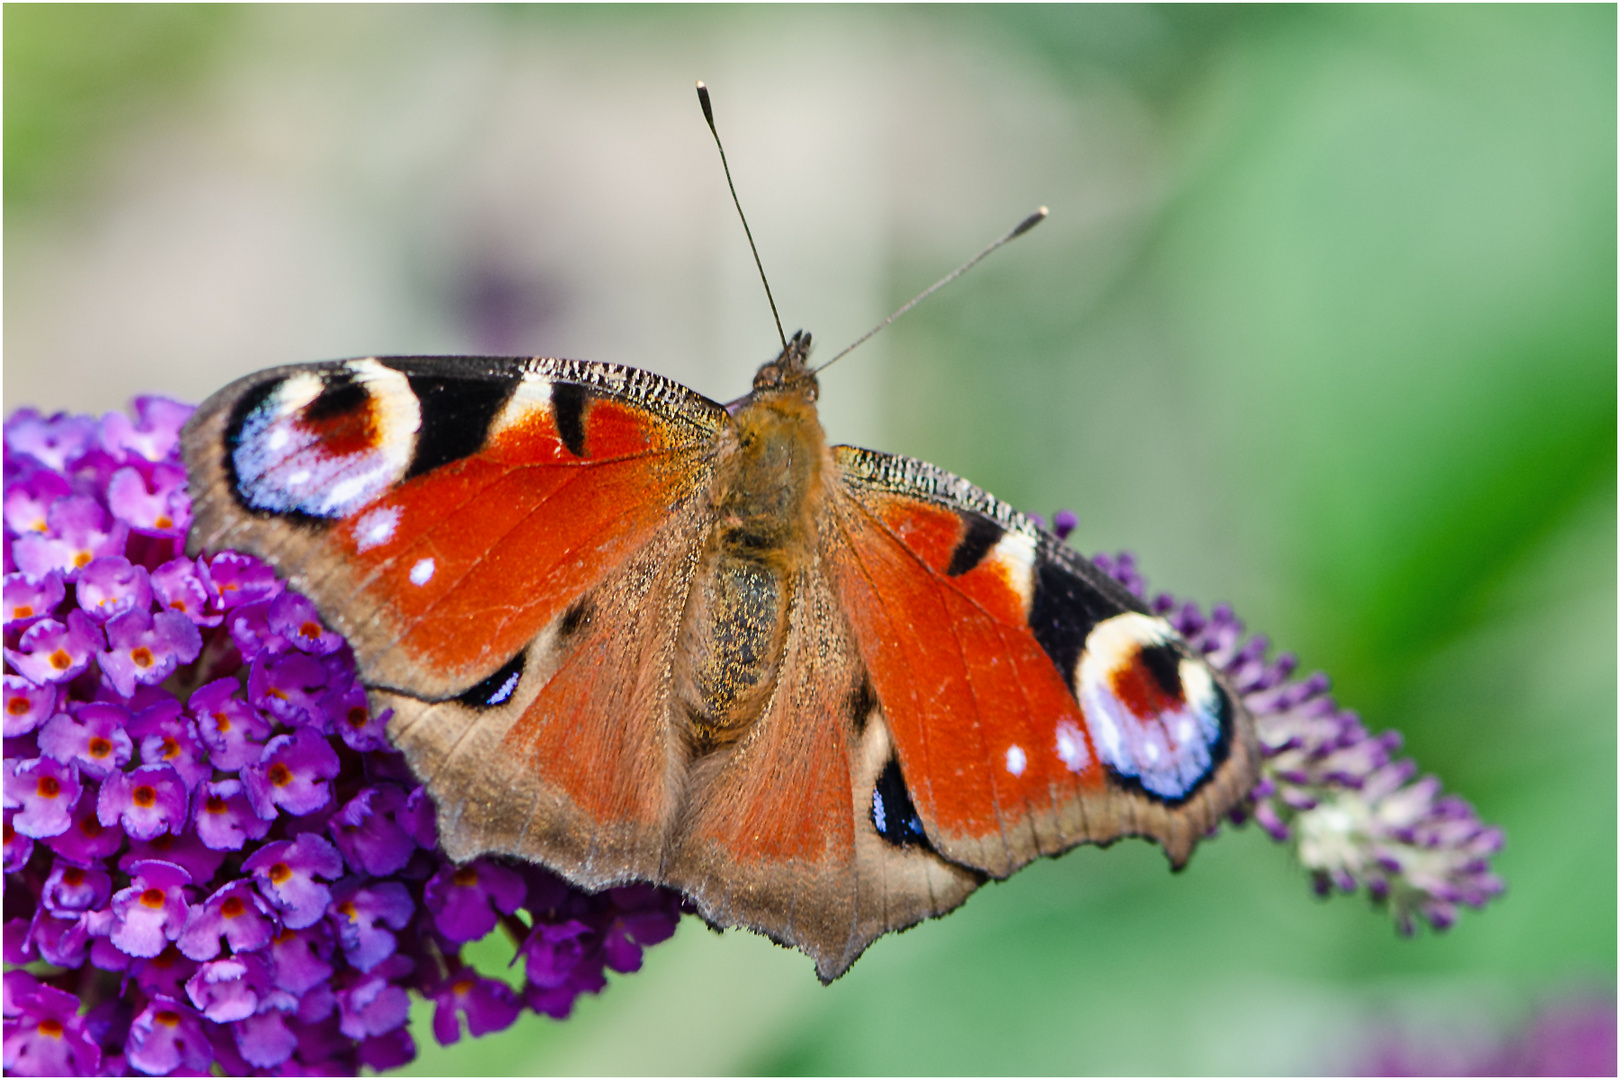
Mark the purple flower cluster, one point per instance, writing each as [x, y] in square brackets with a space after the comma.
[213, 858]
[1355, 813]
[1572, 1037]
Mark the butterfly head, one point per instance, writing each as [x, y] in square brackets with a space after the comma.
[790, 371]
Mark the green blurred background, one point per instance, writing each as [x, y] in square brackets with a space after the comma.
[1323, 324]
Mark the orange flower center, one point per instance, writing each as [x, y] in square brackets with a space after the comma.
[214, 805]
[145, 797]
[142, 656]
[51, 1027]
[279, 873]
[82, 559]
[466, 876]
[232, 907]
[90, 826]
[463, 986]
[280, 775]
[171, 748]
[164, 521]
[48, 787]
[73, 876]
[17, 706]
[168, 1018]
[358, 716]
[348, 908]
[152, 898]
[60, 660]
[222, 722]
[22, 611]
[100, 747]
[310, 630]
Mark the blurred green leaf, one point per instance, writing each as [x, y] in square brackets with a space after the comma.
[75, 74]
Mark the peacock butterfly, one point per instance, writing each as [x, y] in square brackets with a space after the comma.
[638, 635]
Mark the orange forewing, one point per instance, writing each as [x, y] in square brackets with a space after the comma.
[973, 702]
[551, 526]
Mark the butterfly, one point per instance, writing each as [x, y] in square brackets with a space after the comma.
[637, 635]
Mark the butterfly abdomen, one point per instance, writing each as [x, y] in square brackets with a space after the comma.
[768, 473]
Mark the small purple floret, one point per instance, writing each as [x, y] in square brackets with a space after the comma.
[225, 820]
[77, 532]
[235, 913]
[233, 730]
[241, 579]
[151, 499]
[153, 910]
[182, 585]
[292, 774]
[44, 793]
[361, 917]
[145, 648]
[86, 840]
[166, 1036]
[112, 585]
[27, 705]
[288, 873]
[56, 652]
[29, 599]
[44, 1033]
[296, 620]
[167, 736]
[230, 988]
[371, 1006]
[72, 890]
[290, 688]
[94, 737]
[368, 834]
[146, 803]
[488, 1006]
[467, 901]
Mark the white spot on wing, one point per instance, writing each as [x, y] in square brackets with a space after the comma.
[1015, 554]
[1071, 747]
[376, 527]
[1015, 759]
[345, 491]
[533, 395]
[422, 572]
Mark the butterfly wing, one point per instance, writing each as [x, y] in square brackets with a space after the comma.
[777, 832]
[1034, 704]
[489, 535]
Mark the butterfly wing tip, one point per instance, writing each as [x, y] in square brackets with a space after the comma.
[828, 970]
[1179, 851]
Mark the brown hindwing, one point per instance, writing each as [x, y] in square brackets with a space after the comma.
[778, 832]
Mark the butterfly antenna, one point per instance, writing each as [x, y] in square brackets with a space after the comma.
[708, 114]
[1018, 230]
